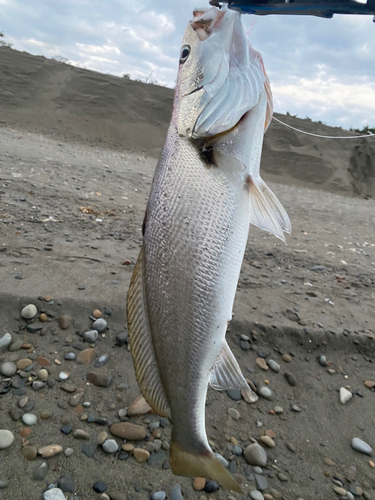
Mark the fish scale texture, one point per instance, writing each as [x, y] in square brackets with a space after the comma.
[195, 237]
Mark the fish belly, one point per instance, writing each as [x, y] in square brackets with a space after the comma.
[195, 236]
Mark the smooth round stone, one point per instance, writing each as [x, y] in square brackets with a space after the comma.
[99, 486]
[16, 346]
[29, 419]
[122, 338]
[43, 374]
[256, 495]
[158, 495]
[266, 393]
[81, 434]
[8, 369]
[235, 414]
[29, 311]
[40, 473]
[278, 409]
[65, 322]
[292, 380]
[361, 446]
[64, 375]
[66, 429]
[100, 325]
[282, 477]
[38, 385]
[211, 486]
[345, 395]
[110, 446]
[102, 436]
[68, 452]
[29, 452]
[275, 367]
[22, 364]
[5, 341]
[234, 394]
[255, 455]
[287, 358]
[6, 439]
[102, 360]
[54, 494]
[90, 336]
[66, 484]
[237, 450]
[70, 356]
[268, 441]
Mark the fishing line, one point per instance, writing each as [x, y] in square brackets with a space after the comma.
[324, 136]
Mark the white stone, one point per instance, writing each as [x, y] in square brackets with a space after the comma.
[6, 439]
[29, 311]
[345, 395]
[5, 341]
[8, 369]
[29, 419]
[110, 446]
[54, 494]
[361, 446]
[256, 495]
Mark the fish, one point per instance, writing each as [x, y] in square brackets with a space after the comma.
[205, 194]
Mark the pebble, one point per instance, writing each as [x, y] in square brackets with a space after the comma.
[275, 367]
[8, 369]
[99, 379]
[90, 336]
[43, 361]
[70, 356]
[99, 487]
[292, 380]
[102, 360]
[138, 407]
[68, 452]
[126, 430]
[261, 362]
[158, 495]
[22, 364]
[110, 446]
[42, 374]
[266, 393]
[66, 484]
[40, 473]
[322, 360]
[268, 441]
[16, 346]
[282, 477]
[176, 493]
[340, 491]
[361, 446]
[6, 439]
[345, 395]
[211, 486]
[279, 409]
[50, 450]
[256, 495]
[156, 458]
[255, 455]
[66, 429]
[97, 313]
[29, 452]
[64, 375]
[38, 385]
[122, 338]
[65, 322]
[5, 341]
[287, 358]
[84, 357]
[29, 419]
[89, 449]
[29, 311]
[261, 482]
[141, 455]
[23, 401]
[4, 483]
[369, 384]
[276, 494]
[81, 434]
[100, 325]
[234, 394]
[54, 494]
[199, 483]
[102, 436]
[235, 414]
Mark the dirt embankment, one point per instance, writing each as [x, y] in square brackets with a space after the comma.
[56, 99]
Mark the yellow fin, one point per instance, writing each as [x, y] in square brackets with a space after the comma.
[185, 463]
[146, 368]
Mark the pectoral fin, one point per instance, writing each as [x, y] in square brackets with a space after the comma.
[141, 347]
[226, 374]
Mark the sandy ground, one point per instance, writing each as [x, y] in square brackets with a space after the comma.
[70, 216]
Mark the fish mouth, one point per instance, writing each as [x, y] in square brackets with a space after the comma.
[206, 21]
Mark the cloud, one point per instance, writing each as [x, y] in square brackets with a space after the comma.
[321, 68]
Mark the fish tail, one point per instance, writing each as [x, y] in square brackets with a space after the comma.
[186, 463]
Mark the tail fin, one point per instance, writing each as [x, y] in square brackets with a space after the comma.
[185, 463]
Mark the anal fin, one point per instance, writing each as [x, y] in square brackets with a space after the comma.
[141, 347]
[226, 374]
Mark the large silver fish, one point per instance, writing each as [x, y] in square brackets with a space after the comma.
[206, 192]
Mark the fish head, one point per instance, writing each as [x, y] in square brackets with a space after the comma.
[220, 75]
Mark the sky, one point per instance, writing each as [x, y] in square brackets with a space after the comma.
[323, 69]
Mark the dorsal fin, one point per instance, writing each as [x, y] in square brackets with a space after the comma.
[146, 368]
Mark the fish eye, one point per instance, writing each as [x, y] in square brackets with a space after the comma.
[185, 52]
